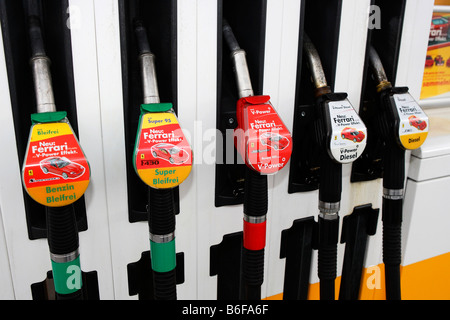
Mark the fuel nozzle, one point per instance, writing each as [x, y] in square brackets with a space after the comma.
[262, 139]
[162, 159]
[342, 136]
[401, 119]
[402, 125]
[239, 61]
[54, 160]
[265, 144]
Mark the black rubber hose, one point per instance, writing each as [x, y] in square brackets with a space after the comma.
[327, 256]
[228, 34]
[255, 205]
[161, 209]
[255, 196]
[165, 285]
[392, 216]
[330, 189]
[161, 221]
[62, 237]
[392, 249]
[252, 273]
[62, 232]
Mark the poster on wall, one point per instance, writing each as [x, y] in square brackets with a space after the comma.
[436, 78]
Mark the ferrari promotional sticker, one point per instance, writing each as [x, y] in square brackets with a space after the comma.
[56, 172]
[413, 122]
[162, 156]
[348, 132]
[267, 143]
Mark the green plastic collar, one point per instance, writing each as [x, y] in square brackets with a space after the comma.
[46, 117]
[155, 107]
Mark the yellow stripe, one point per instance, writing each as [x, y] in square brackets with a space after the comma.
[44, 131]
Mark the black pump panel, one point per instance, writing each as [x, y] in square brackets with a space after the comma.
[160, 19]
[57, 40]
[248, 22]
[320, 19]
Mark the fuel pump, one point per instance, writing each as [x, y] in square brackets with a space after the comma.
[265, 144]
[402, 125]
[55, 172]
[163, 160]
[342, 136]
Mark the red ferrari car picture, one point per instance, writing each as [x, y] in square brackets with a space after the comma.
[62, 167]
[170, 153]
[417, 123]
[429, 62]
[274, 140]
[352, 134]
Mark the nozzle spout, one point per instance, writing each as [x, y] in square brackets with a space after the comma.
[40, 65]
[239, 61]
[315, 66]
[378, 70]
[147, 65]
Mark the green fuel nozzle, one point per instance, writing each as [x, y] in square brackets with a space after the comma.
[162, 159]
[55, 172]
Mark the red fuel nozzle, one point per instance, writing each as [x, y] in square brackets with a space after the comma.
[262, 139]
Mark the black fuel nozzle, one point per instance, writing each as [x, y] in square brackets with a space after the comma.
[402, 125]
[342, 136]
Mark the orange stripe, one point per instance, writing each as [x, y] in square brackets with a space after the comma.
[424, 280]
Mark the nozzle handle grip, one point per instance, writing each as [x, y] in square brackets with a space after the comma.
[255, 197]
[330, 183]
[161, 209]
[394, 167]
[62, 232]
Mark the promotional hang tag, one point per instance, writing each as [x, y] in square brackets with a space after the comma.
[55, 172]
[412, 122]
[262, 139]
[347, 133]
[162, 154]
